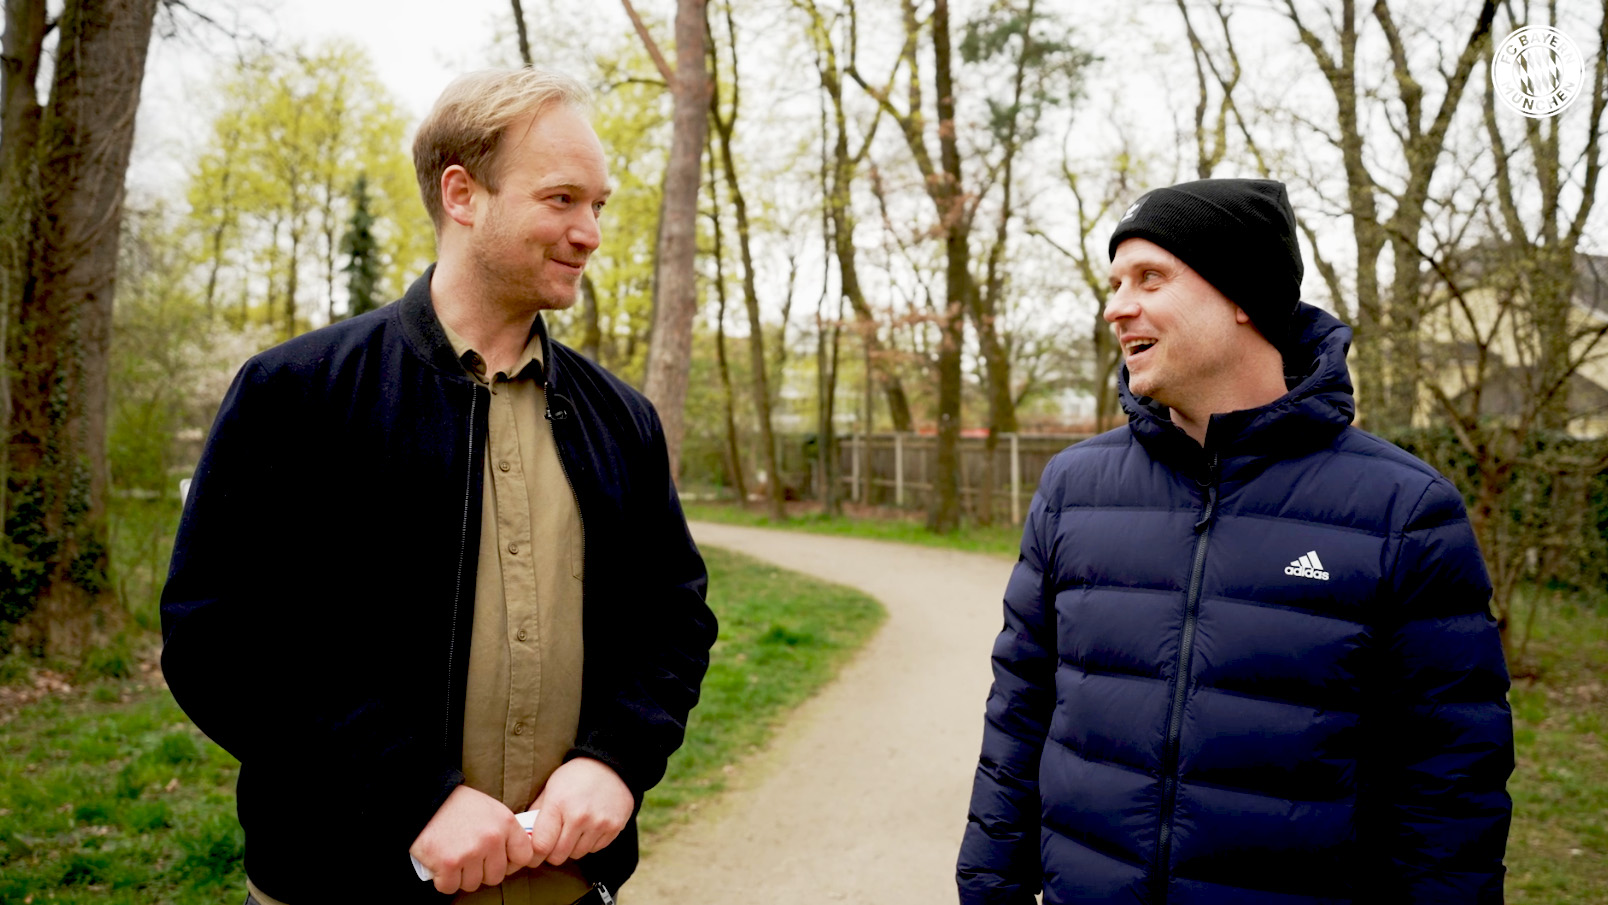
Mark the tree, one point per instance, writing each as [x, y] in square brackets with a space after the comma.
[61, 196]
[732, 454]
[1516, 333]
[1091, 212]
[724, 124]
[1388, 316]
[271, 188]
[362, 253]
[838, 201]
[943, 182]
[1043, 69]
[675, 295]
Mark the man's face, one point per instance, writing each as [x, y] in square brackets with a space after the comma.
[1178, 334]
[532, 237]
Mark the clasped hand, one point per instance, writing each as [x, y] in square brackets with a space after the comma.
[473, 840]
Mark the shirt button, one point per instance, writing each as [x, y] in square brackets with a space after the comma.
[521, 635]
[519, 728]
[513, 548]
[503, 465]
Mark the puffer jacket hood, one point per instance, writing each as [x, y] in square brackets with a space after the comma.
[1318, 406]
[1259, 672]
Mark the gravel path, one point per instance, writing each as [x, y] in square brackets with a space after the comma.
[861, 797]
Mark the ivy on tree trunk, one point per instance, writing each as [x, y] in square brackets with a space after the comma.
[62, 177]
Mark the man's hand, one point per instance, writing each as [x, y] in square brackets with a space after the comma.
[583, 807]
[472, 840]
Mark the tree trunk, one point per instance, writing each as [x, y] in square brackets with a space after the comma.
[19, 134]
[733, 457]
[292, 281]
[591, 321]
[1107, 359]
[776, 491]
[826, 375]
[826, 453]
[944, 516]
[675, 289]
[57, 436]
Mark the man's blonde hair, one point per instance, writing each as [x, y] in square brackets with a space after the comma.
[467, 124]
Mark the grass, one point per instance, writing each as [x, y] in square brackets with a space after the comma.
[1004, 540]
[109, 795]
[1558, 848]
[141, 544]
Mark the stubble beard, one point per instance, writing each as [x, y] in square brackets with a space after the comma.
[515, 286]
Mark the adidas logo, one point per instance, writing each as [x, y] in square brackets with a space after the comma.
[1307, 566]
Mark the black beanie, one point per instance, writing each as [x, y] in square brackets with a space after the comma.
[1238, 234]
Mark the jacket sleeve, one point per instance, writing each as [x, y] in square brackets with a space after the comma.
[654, 678]
[999, 852]
[1445, 748]
[247, 652]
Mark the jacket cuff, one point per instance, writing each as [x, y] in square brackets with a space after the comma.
[413, 805]
[611, 750]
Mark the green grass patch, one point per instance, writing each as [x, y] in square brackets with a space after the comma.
[113, 802]
[1004, 540]
[782, 636]
[1558, 848]
[141, 533]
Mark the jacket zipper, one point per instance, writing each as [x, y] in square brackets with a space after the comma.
[580, 517]
[457, 590]
[1186, 645]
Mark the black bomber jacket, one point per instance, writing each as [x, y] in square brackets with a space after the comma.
[318, 607]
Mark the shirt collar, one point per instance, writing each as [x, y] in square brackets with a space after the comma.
[475, 363]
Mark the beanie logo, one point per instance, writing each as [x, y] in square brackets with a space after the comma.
[1133, 209]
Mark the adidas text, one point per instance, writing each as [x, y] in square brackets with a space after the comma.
[1308, 566]
[1302, 572]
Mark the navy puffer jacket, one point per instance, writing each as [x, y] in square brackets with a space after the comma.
[1262, 673]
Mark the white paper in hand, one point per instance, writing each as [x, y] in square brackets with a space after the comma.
[527, 819]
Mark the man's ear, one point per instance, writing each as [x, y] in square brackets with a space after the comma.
[458, 191]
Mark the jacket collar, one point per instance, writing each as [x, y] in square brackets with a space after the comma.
[1318, 405]
[424, 333]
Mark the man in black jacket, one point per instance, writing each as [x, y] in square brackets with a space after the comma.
[433, 570]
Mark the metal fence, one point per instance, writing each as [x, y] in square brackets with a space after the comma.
[896, 470]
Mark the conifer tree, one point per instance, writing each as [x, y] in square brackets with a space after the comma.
[362, 253]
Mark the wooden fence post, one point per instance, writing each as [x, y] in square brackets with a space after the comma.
[859, 451]
[1016, 480]
[898, 469]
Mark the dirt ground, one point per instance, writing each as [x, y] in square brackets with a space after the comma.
[861, 798]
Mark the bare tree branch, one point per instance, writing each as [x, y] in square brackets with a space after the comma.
[651, 45]
[519, 28]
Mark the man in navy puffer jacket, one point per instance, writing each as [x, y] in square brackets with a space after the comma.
[1247, 656]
